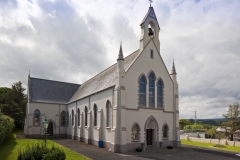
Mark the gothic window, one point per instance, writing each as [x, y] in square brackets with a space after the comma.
[165, 131]
[95, 114]
[142, 91]
[78, 117]
[159, 93]
[63, 118]
[108, 114]
[151, 90]
[36, 119]
[72, 118]
[86, 116]
[135, 132]
[67, 119]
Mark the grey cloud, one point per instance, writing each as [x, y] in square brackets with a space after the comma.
[203, 38]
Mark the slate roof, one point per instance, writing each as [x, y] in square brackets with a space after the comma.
[48, 91]
[103, 80]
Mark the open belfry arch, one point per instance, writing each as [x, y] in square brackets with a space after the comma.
[133, 103]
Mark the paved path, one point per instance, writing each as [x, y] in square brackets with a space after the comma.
[183, 153]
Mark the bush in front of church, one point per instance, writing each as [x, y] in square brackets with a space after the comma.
[6, 126]
[40, 152]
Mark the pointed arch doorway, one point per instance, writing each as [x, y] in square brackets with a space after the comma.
[50, 129]
[151, 131]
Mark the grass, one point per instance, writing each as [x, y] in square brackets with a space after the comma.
[208, 145]
[10, 146]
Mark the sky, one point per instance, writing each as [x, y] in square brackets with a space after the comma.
[72, 40]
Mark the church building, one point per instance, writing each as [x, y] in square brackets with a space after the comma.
[133, 103]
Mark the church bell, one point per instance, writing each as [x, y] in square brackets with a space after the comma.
[150, 32]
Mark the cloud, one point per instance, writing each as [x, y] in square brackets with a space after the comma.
[74, 40]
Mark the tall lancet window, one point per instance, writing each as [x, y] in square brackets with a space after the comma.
[151, 90]
[95, 114]
[67, 119]
[160, 93]
[72, 118]
[63, 118]
[36, 118]
[142, 91]
[86, 116]
[108, 116]
[78, 117]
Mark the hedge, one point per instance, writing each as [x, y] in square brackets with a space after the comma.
[40, 152]
[6, 126]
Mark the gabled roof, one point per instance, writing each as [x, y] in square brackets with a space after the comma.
[49, 91]
[152, 14]
[103, 80]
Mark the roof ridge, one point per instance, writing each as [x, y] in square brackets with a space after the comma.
[108, 67]
[53, 80]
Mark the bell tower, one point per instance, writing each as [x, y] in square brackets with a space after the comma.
[150, 29]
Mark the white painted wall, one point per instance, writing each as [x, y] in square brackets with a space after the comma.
[143, 65]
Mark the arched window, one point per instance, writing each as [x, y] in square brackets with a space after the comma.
[78, 117]
[142, 91]
[72, 118]
[160, 93]
[151, 90]
[135, 132]
[63, 118]
[165, 131]
[108, 114]
[86, 116]
[95, 114]
[67, 119]
[36, 119]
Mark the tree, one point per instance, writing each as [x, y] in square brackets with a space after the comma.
[211, 132]
[183, 122]
[232, 124]
[13, 103]
[21, 100]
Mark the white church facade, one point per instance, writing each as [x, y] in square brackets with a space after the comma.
[131, 104]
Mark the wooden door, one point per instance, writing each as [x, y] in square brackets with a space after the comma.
[50, 129]
[149, 136]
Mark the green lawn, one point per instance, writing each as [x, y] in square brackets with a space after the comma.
[208, 145]
[10, 146]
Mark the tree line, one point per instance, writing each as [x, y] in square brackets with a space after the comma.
[13, 103]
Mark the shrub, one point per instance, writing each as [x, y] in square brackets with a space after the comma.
[40, 152]
[194, 128]
[6, 126]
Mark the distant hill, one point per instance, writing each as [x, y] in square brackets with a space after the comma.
[210, 121]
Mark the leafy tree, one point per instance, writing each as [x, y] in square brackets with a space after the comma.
[13, 103]
[183, 122]
[232, 124]
[21, 99]
[207, 126]
[212, 132]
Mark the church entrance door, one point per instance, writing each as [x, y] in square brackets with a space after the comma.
[50, 129]
[149, 136]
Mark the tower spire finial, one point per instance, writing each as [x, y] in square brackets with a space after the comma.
[120, 55]
[173, 68]
[150, 3]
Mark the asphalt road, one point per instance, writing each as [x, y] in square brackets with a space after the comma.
[182, 153]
